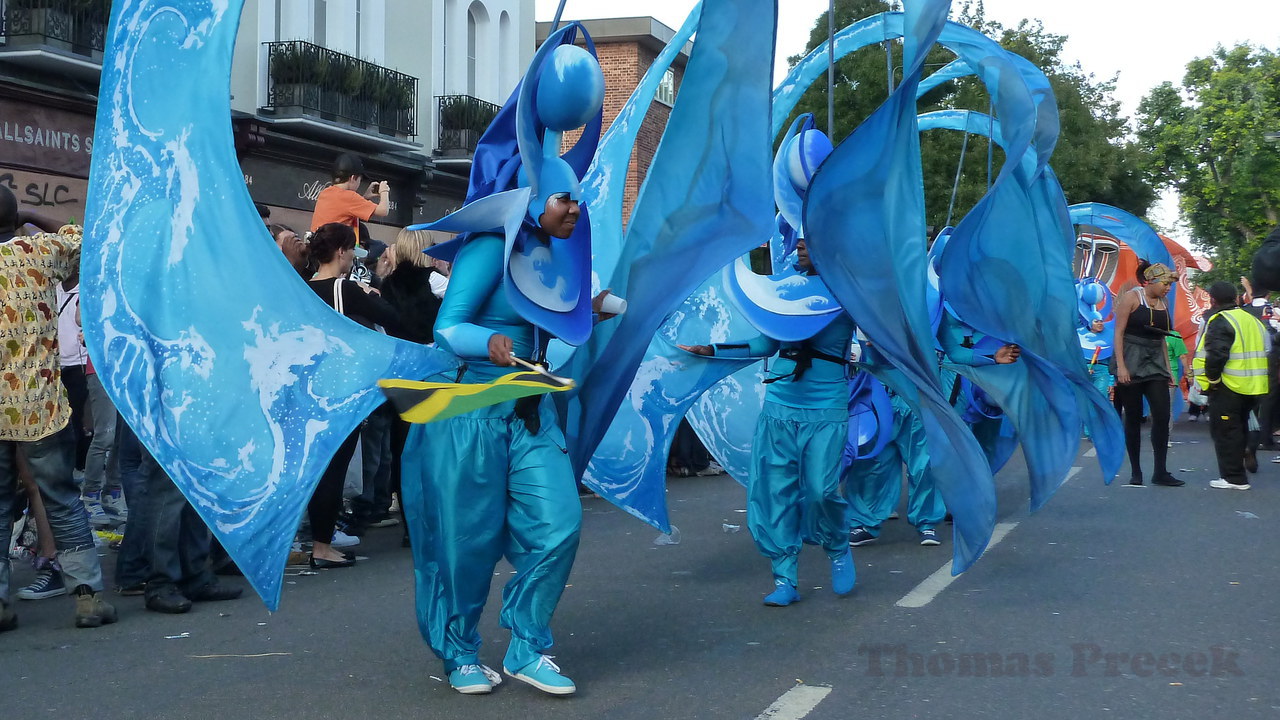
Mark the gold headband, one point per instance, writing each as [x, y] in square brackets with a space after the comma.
[1159, 272]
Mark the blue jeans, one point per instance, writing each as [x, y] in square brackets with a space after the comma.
[51, 461]
[132, 564]
[376, 459]
[97, 468]
[178, 546]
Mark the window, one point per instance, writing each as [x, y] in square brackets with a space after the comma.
[471, 51]
[318, 22]
[667, 88]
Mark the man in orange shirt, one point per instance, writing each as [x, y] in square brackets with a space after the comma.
[341, 202]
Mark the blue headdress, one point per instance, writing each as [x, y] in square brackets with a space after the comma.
[789, 305]
[518, 168]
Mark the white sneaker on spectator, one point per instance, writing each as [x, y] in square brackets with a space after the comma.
[114, 506]
[341, 540]
[712, 469]
[93, 505]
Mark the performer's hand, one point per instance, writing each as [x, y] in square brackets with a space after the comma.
[1008, 354]
[698, 349]
[500, 350]
[597, 302]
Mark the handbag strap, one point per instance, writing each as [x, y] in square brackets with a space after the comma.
[337, 296]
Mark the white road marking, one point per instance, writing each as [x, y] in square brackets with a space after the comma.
[795, 703]
[1091, 452]
[928, 589]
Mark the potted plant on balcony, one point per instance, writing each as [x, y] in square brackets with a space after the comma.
[89, 18]
[38, 22]
[353, 87]
[298, 71]
[394, 105]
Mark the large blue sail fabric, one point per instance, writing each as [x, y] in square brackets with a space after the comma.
[1036, 395]
[629, 466]
[725, 416]
[707, 199]
[604, 186]
[870, 195]
[993, 236]
[241, 390]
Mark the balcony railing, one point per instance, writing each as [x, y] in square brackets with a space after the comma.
[79, 26]
[462, 120]
[311, 80]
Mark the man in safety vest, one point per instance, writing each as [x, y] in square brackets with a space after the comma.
[1231, 367]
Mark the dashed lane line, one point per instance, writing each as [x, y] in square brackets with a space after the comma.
[928, 589]
[795, 703]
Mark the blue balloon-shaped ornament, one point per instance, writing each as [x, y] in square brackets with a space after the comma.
[570, 89]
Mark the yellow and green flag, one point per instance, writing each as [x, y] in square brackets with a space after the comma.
[424, 402]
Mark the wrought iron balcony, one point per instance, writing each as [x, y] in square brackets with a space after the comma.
[462, 120]
[306, 79]
[77, 26]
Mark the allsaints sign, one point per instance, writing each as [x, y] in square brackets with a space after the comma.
[45, 138]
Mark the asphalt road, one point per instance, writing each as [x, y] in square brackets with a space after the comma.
[1110, 602]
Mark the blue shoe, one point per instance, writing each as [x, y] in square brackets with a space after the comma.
[929, 537]
[474, 680]
[860, 536]
[843, 573]
[544, 675]
[784, 593]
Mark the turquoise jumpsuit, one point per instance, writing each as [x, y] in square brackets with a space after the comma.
[793, 490]
[488, 485]
[873, 486]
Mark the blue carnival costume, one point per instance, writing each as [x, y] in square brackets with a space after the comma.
[873, 486]
[497, 482]
[793, 490]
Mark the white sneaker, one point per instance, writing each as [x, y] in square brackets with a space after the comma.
[341, 540]
[93, 505]
[113, 504]
[1222, 484]
[712, 469]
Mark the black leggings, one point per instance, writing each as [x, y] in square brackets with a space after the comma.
[1156, 392]
[326, 501]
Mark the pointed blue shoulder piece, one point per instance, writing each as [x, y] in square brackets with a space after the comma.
[498, 213]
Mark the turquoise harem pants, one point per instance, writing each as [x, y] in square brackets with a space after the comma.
[477, 488]
[793, 492]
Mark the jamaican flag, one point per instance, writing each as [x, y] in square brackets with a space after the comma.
[424, 402]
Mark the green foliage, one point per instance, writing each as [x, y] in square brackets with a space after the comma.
[1207, 140]
[1093, 160]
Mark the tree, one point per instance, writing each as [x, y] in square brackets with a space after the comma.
[1208, 141]
[1093, 160]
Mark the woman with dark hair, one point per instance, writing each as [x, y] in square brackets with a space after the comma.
[291, 246]
[333, 248]
[1143, 321]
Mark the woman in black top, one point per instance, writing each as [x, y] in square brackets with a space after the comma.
[333, 247]
[1143, 321]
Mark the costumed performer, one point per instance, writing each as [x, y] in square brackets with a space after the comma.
[497, 482]
[793, 486]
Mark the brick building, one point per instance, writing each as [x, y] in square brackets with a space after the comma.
[626, 48]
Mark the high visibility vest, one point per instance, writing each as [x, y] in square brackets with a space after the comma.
[1246, 369]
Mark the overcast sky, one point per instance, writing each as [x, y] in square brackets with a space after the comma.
[1145, 41]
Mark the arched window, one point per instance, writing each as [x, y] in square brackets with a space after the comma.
[479, 51]
[507, 52]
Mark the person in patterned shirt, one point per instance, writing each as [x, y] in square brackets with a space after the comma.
[34, 412]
